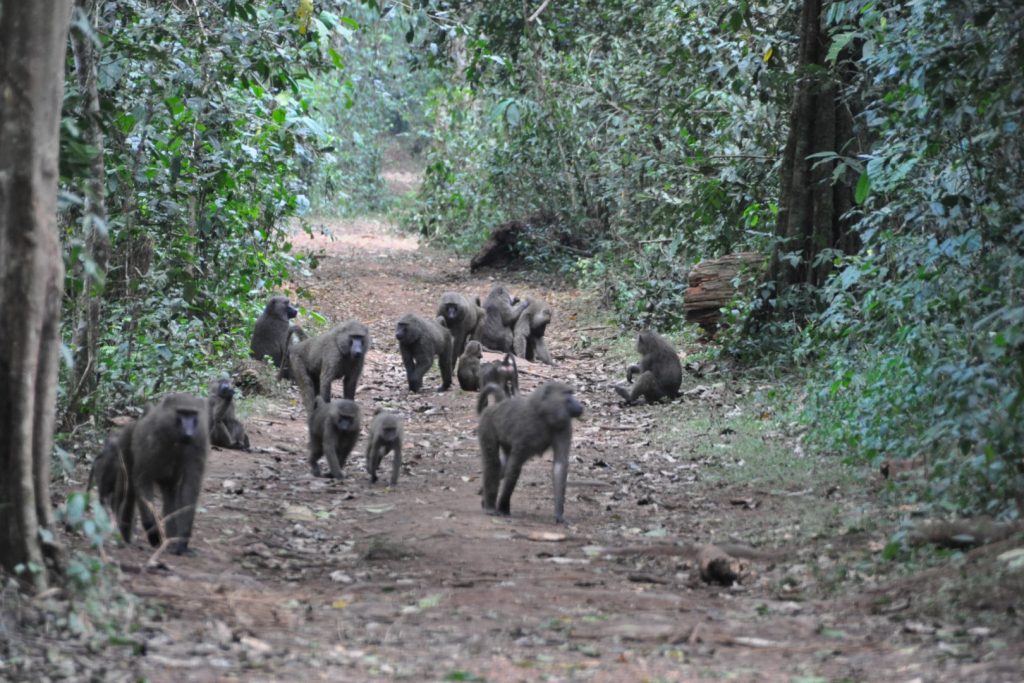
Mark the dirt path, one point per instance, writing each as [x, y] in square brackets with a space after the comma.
[297, 578]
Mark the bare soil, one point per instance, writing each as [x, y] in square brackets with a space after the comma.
[298, 578]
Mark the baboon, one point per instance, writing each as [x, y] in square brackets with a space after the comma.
[271, 333]
[168, 449]
[110, 470]
[419, 340]
[661, 373]
[295, 335]
[469, 366]
[225, 429]
[333, 431]
[461, 317]
[500, 314]
[528, 335]
[335, 354]
[385, 437]
[502, 372]
[517, 429]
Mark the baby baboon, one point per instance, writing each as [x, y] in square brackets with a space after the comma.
[110, 471]
[337, 353]
[500, 314]
[270, 336]
[333, 431]
[419, 340]
[385, 437]
[168, 451]
[661, 373]
[225, 429]
[517, 429]
[461, 318]
[502, 372]
[469, 366]
[528, 336]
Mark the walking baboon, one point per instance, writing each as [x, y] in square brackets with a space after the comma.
[528, 335]
[385, 437]
[469, 366]
[335, 354]
[419, 340]
[225, 429]
[168, 449]
[502, 372]
[500, 314]
[461, 317]
[661, 373]
[517, 429]
[270, 335]
[333, 432]
[110, 470]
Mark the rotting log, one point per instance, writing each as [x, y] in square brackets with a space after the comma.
[711, 286]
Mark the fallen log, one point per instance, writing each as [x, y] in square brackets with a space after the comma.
[711, 286]
[961, 534]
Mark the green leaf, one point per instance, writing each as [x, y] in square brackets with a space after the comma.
[863, 188]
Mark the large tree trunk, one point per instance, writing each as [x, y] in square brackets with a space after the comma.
[811, 206]
[85, 339]
[33, 39]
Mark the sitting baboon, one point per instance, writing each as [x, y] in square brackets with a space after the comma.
[110, 470]
[419, 340]
[295, 335]
[270, 335]
[168, 449]
[333, 432]
[469, 366]
[335, 354]
[500, 313]
[385, 437]
[504, 373]
[462, 318]
[528, 335]
[225, 429]
[661, 373]
[517, 429]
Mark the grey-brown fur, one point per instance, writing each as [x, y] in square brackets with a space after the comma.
[419, 341]
[333, 432]
[500, 314]
[528, 334]
[270, 335]
[504, 373]
[660, 372]
[462, 317]
[385, 437]
[338, 353]
[226, 431]
[469, 366]
[168, 450]
[517, 429]
[110, 470]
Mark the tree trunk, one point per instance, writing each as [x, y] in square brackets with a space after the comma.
[85, 341]
[811, 206]
[33, 39]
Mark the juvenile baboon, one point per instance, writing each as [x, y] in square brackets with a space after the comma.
[661, 373]
[110, 470]
[335, 354]
[528, 335]
[502, 372]
[270, 335]
[295, 335]
[385, 437]
[419, 340]
[500, 314]
[517, 429]
[333, 432]
[168, 449]
[461, 317]
[469, 366]
[225, 429]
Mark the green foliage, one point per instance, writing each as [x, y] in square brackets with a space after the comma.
[922, 340]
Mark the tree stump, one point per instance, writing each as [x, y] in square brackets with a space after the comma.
[711, 287]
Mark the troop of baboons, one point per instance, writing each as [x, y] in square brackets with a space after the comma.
[166, 449]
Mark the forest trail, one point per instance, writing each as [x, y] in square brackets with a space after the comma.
[296, 578]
